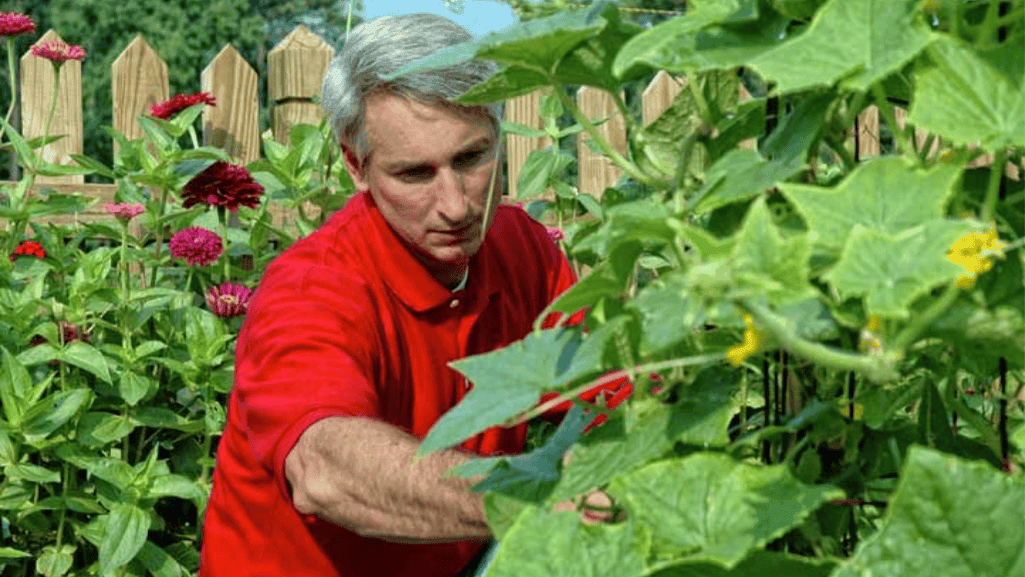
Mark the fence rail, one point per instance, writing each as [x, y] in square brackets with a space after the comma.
[295, 67]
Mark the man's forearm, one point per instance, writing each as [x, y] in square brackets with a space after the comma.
[360, 473]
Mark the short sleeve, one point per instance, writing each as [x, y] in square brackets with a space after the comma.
[304, 354]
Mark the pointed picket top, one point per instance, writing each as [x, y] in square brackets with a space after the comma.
[233, 124]
[525, 110]
[138, 80]
[295, 72]
[36, 96]
[867, 131]
[744, 96]
[659, 95]
[597, 172]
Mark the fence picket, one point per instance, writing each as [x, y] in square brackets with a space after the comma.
[138, 80]
[232, 125]
[295, 70]
[37, 94]
[867, 130]
[659, 95]
[597, 172]
[526, 110]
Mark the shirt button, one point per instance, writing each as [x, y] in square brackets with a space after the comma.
[454, 303]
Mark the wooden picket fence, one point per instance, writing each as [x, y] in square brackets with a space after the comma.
[295, 69]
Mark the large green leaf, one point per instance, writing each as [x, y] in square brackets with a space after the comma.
[775, 268]
[965, 100]
[158, 562]
[890, 271]
[668, 314]
[760, 562]
[694, 42]
[857, 41]
[50, 413]
[590, 63]
[933, 424]
[96, 429]
[948, 517]
[538, 171]
[509, 82]
[739, 175]
[14, 384]
[649, 429]
[53, 562]
[884, 195]
[124, 533]
[508, 381]
[535, 44]
[85, 356]
[531, 477]
[790, 142]
[559, 545]
[709, 507]
[981, 336]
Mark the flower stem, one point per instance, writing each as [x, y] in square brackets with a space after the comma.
[126, 289]
[886, 109]
[53, 100]
[11, 75]
[160, 236]
[223, 213]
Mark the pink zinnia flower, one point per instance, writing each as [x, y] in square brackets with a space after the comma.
[196, 245]
[554, 233]
[223, 184]
[58, 52]
[28, 248]
[165, 110]
[228, 300]
[12, 24]
[124, 210]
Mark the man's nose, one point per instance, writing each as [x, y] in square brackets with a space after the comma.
[453, 203]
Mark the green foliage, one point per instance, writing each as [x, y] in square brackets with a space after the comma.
[704, 249]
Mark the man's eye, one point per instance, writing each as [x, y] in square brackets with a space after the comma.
[415, 174]
[469, 159]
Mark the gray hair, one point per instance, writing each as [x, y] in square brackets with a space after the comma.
[382, 47]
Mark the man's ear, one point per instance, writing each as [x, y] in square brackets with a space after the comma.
[355, 169]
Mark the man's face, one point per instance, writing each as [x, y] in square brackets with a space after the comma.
[429, 170]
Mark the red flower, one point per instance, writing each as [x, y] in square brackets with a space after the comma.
[165, 110]
[196, 245]
[12, 24]
[71, 333]
[29, 248]
[228, 300]
[223, 184]
[58, 52]
[124, 210]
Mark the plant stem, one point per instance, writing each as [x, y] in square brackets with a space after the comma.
[996, 173]
[160, 236]
[603, 144]
[615, 375]
[699, 100]
[987, 33]
[923, 320]
[876, 368]
[886, 109]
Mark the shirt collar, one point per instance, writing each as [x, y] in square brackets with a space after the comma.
[408, 278]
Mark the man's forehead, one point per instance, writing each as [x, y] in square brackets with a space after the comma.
[401, 127]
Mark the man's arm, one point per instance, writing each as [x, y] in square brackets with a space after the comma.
[360, 474]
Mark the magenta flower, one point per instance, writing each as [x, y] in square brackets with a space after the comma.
[12, 24]
[124, 210]
[554, 233]
[196, 245]
[228, 300]
[58, 52]
[223, 184]
[165, 110]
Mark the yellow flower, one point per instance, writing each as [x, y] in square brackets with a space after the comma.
[753, 340]
[973, 251]
[874, 324]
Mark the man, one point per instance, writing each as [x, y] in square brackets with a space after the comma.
[342, 361]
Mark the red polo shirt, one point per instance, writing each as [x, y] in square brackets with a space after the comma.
[348, 322]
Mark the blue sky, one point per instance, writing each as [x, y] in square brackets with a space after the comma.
[479, 16]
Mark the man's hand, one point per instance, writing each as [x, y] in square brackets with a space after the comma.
[594, 508]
